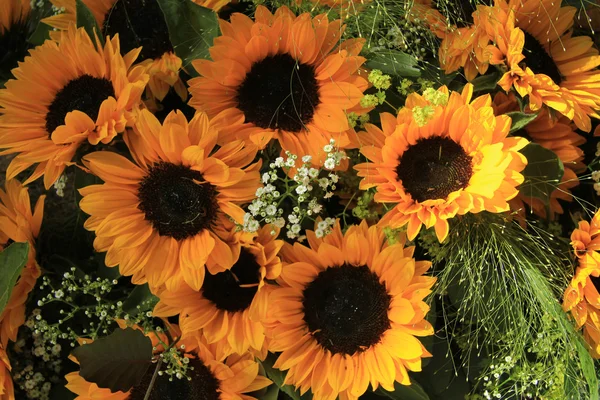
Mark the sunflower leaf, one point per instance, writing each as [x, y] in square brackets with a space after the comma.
[12, 262]
[86, 19]
[402, 392]
[139, 296]
[520, 120]
[192, 29]
[394, 63]
[486, 82]
[543, 172]
[118, 361]
[278, 376]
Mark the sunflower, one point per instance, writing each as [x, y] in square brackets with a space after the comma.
[163, 219]
[582, 296]
[347, 313]
[443, 155]
[139, 23]
[557, 135]
[280, 76]
[15, 28]
[459, 24]
[212, 377]
[7, 391]
[74, 93]
[544, 61]
[19, 224]
[231, 305]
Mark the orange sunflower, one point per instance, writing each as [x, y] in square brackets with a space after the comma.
[281, 76]
[214, 376]
[15, 29]
[19, 224]
[459, 24]
[347, 313]
[557, 135]
[7, 390]
[230, 307]
[544, 61]
[139, 23]
[64, 94]
[443, 155]
[582, 296]
[165, 217]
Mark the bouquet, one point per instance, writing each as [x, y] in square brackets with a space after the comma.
[305, 199]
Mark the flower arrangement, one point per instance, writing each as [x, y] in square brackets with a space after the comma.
[273, 199]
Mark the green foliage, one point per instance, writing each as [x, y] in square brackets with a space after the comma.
[140, 299]
[12, 262]
[278, 376]
[486, 82]
[86, 19]
[520, 120]
[393, 62]
[543, 172]
[414, 391]
[192, 29]
[116, 362]
[500, 284]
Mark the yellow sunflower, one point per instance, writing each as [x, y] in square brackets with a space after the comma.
[230, 307]
[214, 376]
[582, 296]
[139, 24]
[347, 311]
[163, 219]
[19, 224]
[443, 155]
[15, 29]
[7, 391]
[544, 61]
[281, 76]
[64, 94]
[557, 135]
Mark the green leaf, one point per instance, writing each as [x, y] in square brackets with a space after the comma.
[402, 392]
[587, 367]
[86, 19]
[139, 296]
[12, 262]
[40, 35]
[392, 62]
[116, 362]
[192, 29]
[543, 172]
[486, 82]
[520, 120]
[278, 377]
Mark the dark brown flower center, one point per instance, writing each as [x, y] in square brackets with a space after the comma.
[596, 282]
[433, 168]
[234, 289]
[346, 309]
[203, 385]
[539, 60]
[176, 202]
[139, 23]
[84, 94]
[279, 93]
[14, 46]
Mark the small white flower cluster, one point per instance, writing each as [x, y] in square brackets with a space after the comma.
[324, 227]
[300, 189]
[596, 179]
[177, 365]
[60, 185]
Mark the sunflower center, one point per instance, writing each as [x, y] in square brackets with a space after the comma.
[539, 60]
[85, 94]
[13, 46]
[279, 93]
[433, 168]
[139, 23]
[202, 386]
[233, 290]
[176, 202]
[596, 282]
[346, 309]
